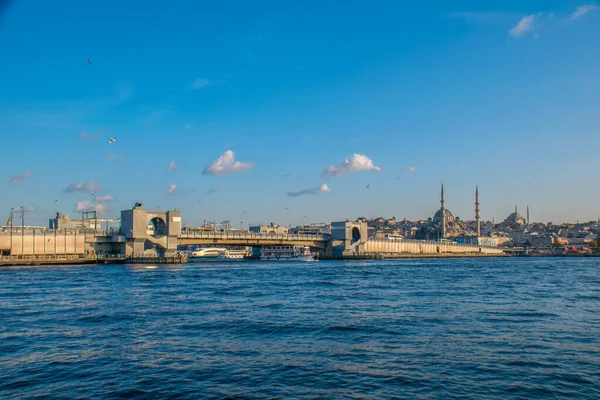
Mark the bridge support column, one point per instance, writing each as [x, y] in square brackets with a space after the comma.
[150, 232]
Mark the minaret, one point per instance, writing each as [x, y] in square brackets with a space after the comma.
[528, 214]
[477, 211]
[443, 227]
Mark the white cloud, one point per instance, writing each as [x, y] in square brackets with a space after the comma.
[88, 136]
[413, 170]
[172, 166]
[313, 191]
[581, 11]
[87, 187]
[354, 163]
[226, 164]
[18, 180]
[200, 83]
[105, 199]
[172, 189]
[525, 25]
[88, 206]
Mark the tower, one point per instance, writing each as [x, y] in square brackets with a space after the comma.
[477, 211]
[528, 214]
[443, 227]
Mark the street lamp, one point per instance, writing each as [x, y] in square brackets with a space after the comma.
[11, 231]
[242, 220]
[303, 218]
[202, 210]
[22, 230]
[95, 212]
[289, 218]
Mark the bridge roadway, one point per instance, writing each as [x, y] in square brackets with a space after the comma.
[251, 239]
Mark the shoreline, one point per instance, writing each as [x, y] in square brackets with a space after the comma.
[171, 260]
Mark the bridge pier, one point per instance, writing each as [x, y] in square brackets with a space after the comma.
[150, 233]
[348, 239]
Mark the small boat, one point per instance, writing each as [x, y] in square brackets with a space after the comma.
[287, 253]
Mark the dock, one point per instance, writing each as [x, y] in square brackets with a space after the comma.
[6, 261]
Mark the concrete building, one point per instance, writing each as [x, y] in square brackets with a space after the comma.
[150, 233]
[62, 221]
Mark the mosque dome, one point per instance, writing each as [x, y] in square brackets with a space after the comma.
[437, 218]
[515, 218]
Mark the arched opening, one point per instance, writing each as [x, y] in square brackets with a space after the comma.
[157, 227]
[355, 235]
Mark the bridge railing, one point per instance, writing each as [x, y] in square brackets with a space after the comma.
[252, 235]
[450, 244]
[17, 231]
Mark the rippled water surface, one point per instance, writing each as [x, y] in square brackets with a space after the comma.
[464, 328]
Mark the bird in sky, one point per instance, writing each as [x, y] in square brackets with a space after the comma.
[111, 140]
[368, 186]
[56, 200]
[89, 62]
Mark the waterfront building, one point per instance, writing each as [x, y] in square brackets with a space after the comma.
[268, 229]
[62, 221]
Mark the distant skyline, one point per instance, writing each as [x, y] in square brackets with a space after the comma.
[243, 109]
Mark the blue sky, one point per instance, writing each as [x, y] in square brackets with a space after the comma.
[505, 95]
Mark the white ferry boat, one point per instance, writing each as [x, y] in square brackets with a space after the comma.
[233, 255]
[287, 253]
[209, 252]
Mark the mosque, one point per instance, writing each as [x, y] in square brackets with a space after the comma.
[515, 220]
[445, 225]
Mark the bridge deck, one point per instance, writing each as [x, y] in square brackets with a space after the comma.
[251, 239]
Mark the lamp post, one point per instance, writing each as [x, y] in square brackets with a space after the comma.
[11, 231]
[55, 224]
[22, 230]
[202, 211]
[303, 218]
[242, 220]
[289, 218]
[95, 212]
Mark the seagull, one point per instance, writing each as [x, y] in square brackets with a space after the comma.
[56, 200]
[368, 186]
[89, 62]
[111, 140]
